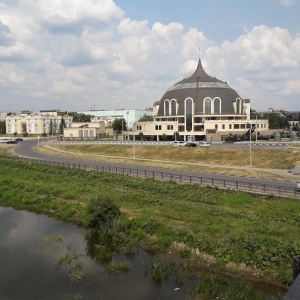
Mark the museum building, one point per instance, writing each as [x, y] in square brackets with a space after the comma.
[200, 107]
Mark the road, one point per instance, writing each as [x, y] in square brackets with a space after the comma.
[25, 149]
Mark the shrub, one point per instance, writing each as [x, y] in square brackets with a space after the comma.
[102, 213]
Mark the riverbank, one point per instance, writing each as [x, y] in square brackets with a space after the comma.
[242, 235]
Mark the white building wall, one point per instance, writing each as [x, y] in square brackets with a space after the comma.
[108, 116]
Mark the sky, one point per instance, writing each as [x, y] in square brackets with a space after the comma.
[77, 55]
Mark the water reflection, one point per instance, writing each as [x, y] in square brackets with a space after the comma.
[39, 254]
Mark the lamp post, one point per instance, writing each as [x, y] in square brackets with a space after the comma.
[133, 139]
[127, 113]
[256, 129]
[122, 130]
[250, 133]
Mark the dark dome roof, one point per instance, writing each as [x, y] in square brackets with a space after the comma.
[198, 87]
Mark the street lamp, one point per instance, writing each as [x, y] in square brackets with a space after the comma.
[127, 113]
[256, 130]
[122, 130]
[250, 133]
[133, 139]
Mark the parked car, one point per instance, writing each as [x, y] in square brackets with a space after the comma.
[178, 143]
[297, 187]
[233, 139]
[204, 144]
[19, 139]
[190, 145]
[11, 142]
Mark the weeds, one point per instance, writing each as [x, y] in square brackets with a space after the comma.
[73, 265]
[118, 267]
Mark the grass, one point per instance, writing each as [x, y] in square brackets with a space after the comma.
[113, 267]
[5, 149]
[259, 234]
[271, 164]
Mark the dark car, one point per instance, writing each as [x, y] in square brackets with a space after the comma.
[11, 142]
[190, 145]
[19, 139]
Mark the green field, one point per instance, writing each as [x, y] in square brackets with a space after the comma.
[238, 233]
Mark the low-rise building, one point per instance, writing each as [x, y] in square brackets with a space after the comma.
[36, 123]
[108, 116]
[87, 130]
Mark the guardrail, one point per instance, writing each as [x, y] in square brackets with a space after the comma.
[256, 188]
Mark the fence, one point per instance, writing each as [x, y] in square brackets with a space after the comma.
[257, 188]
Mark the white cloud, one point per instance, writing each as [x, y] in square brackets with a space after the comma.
[287, 2]
[71, 15]
[82, 52]
[129, 27]
[261, 64]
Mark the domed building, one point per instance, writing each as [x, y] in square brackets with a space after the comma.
[200, 107]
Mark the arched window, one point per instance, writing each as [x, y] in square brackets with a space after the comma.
[238, 108]
[217, 106]
[167, 107]
[173, 107]
[207, 106]
[242, 107]
[188, 107]
[188, 114]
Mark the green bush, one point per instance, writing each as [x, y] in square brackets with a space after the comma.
[102, 213]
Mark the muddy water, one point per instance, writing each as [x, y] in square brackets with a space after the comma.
[31, 247]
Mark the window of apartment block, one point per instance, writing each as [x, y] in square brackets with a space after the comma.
[223, 126]
[236, 126]
[157, 127]
[230, 126]
[169, 127]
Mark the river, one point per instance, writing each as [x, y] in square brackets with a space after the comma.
[38, 256]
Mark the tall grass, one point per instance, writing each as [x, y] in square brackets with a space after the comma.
[250, 233]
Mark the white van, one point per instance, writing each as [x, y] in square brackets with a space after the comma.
[5, 139]
[178, 143]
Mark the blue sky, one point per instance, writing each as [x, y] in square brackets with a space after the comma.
[78, 54]
[218, 19]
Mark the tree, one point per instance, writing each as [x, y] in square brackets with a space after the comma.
[140, 136]
[51, 128]
[164, 137]
[2, 127]
[117, 125]
[276, 121]
[146, 118]
[80, 117]
[62, 125]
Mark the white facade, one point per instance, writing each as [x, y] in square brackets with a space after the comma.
[87, 130]
[3, 116]
[35, 124]
[108, 116]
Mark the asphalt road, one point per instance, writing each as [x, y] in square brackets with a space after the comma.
[25, 149]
